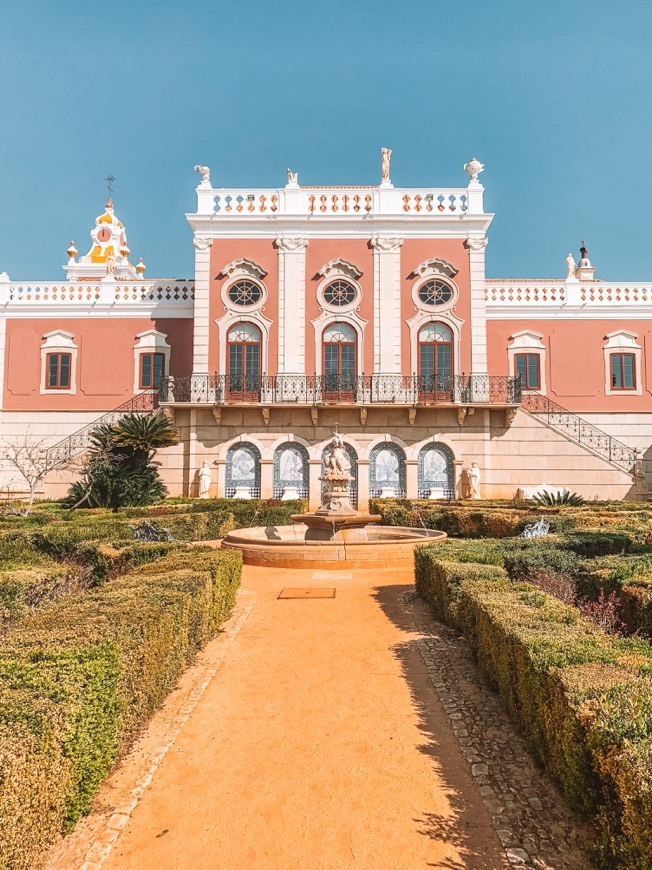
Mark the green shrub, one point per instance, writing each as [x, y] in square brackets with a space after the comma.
[539, 556]
[583, 700]
[101, 664]
[590, 544]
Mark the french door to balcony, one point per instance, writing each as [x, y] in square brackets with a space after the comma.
[244, 381]
[339, 363]
[435, 363]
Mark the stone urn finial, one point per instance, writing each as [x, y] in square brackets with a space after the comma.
[473, 168]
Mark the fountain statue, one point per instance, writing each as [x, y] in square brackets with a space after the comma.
[336, 535]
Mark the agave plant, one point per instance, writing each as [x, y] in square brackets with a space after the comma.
[557, 499]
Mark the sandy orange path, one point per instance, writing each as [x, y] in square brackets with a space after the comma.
[320, 743]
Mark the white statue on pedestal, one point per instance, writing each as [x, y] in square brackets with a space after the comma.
[293, 178]
[110, 264]
[570, 266]
[384, 164]
[473, 473]
[204, 480]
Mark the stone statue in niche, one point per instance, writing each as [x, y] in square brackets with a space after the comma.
[570, 266]
[110, 264]
[204, 480]
[384, 163]
[473, 474]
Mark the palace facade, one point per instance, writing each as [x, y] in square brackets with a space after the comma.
[362, 308]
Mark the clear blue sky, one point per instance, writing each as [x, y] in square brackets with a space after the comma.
[554, 97]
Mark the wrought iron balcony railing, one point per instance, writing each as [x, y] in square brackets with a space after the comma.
[312, 390]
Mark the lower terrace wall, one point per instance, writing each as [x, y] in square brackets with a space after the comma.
[524, 454]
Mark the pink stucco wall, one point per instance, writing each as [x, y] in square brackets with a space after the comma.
[575, 369]
[105, 360]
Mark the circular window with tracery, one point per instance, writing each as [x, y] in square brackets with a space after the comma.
[245, 293]
[340, 293]
[435, 293]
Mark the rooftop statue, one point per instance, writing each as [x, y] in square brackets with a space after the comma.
[293, 177]
[474, 168]
[205, 173]
[384, 165]
[570, 266]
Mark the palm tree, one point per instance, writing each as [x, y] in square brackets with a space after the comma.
[143, 434]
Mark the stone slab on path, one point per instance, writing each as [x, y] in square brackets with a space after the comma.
[329, 733]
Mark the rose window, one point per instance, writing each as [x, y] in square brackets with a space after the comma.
[435, 293]
[340, 293]
[245, 293]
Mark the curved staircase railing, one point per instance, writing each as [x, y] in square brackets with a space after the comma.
[63, 451]
[581, 431]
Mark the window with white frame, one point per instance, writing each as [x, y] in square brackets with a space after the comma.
[622, 364]
[527, 359]
[59, 363]
[151, 360]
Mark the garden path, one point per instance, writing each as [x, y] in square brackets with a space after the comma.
[349, 732]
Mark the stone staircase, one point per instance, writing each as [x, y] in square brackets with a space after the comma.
[64, 451]
[576, 429]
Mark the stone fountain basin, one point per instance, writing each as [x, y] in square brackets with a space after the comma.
[288, 547]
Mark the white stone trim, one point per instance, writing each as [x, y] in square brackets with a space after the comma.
[387, 304]
[243, 309]
[243, 266]
[435, 267]
[291, 321]
[527, 341]
[326, 319]
[59, 341]
[150, 341]
[202, 304]
[622, 341]
[476, 246]
[340, 268]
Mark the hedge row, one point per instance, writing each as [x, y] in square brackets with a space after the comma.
[507, 519]
[583, 700]
[78, 679]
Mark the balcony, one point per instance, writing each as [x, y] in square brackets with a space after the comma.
[322, 390]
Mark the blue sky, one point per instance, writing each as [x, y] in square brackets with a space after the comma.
[554, 97]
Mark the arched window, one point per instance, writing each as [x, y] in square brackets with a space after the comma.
[353, 460]
[435, 361]
[291, 470]
[340, 350]
[243, 471]
[387, 471]
[436, 474]
[244, 348]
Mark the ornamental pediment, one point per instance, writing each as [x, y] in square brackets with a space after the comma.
[243, 266]
[339, 266]
[435, 266]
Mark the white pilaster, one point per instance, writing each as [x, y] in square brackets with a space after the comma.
[476, 248]
[291, 305]
[387, 304]
[201, 307]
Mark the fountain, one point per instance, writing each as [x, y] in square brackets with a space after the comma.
[334, 536]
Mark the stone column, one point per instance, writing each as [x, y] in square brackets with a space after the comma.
[291, 305]
[192, 452]
[412, 478]
[267, 478]
[201, 306]
[363, 485]
[476, 248]
[221, 477]
[314, 484]
[387, 304]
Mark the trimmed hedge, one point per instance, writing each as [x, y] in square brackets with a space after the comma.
[78, 679]
[582, 699]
